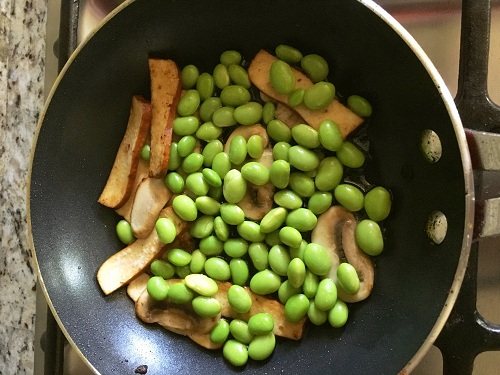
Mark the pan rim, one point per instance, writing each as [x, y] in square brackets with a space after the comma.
[459, 133]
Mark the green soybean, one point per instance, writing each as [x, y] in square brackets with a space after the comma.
[317, 259]
[235, 353]
[211, 177]
[338, 315]
[378, 203]
[185, 207]
[198, 259]
[302, 184]
[206, 307]
[221, 229]
[268, 112]
[223, 117]
[239, 299]
[288, 199]
[319, 96]
[220, 332]
[286, 290]
[259, 253]
[302, 158]
[330, 136]
[196, 183]
[161, 268]
[179, 293]
[280, 151]
[217, 269]
[178, 257]
[248, 113]
[124, 232]
[235, 186]
[296, 307]
[306, 136]
[301, 219]
[221, 76]
[326, 295]
[289, 54]
[315, 67]
[208, 132]
[273, 238]
[359, 105]
[201, 284]
[165, 229]
[236, 247]
[146, 152]
[279, 259]
[238, 150]
[211, 246]
[279, 131]
[188, 103]
[279, 174]
[189, 76]
[202, 227]
[265, 282]
[281, 77]
[192, 163]
[296, 97]
[174, 182]
[239, 271]
[230, 57]
[239, 75]
[208, 107]
[349, 196]
[310, 286]
[174, 160]
[232, 214]
[261, 347]
[319, 202]
[221, 164]
[186, 145]
[273, 220]
[234, 95]
[350, 155]
[298, 252]
[250, 231]
[210, 150]
[315, 315]
[205, 85]
[185, 125]
[369, 237]
[157, 288]
[215, 192]
[329, 175]
[290, 236]
[296, 272]
[182, 271]
[255, 146]
[261, 323]
[239, 330]
[347, 278]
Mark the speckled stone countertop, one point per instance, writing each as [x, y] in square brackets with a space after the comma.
[22, 55]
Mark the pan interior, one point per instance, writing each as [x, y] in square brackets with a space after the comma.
[85, 120]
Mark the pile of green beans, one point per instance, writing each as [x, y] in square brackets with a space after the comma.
[273, 256]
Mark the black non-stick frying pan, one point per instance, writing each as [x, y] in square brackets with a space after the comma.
[370, 54]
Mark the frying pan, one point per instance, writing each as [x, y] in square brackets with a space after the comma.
[370, 54]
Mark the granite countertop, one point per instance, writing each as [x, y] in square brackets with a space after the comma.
[22, 60]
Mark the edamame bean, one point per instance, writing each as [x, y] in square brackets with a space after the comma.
[349, 196]
[350, 155]
[211, 177]
[206, 307]
[208, 107]
[192, 163]
[239, 330]
[221, 164]
[182, 271]
[223, 117]
[236, 247]
[221, 76]
[189, 76]
[188, 103]
[319, 96]
[230, 57]
[146, 152]
[235, 186]
[279, 259]
[280, 151]
[347, 278]
[196, 183]
[315, 67]
[359, 105]
[185, 207]
[298, 252]
[124, 232]
[315, 315]
[326, 295]
[232, 214]
[287, 199]
[317, 259]
[238, 150]
[186, 145]
[239, 271]
[265, 282]
[239, 75]
[210, 150]
[261, 347]
[202, 227]
[178, 257]
[296, 97]
[290, 236]
[279, 174]
[330, 172]
[261, 323]
[302, 184]
[273, 220]
[289, 54]
[286, 290]
[310, 286]
[281, 77]
[259, 253]
[279, 131]
[198, 259]
[296, 307]
[221, 229]
[378, 203]
[255, 146]
[205, 85]
[174, 182]
[180, 294]
[157, 288]
[273, 238]
[165, 229]
[330, 136]
[301, 219]
[239, 299]
[235, 353]
[201, 284]
[268, 112]
[211, 246]
[208, 132]
[305, 135]
[215, 192]
[250, 231]
[338, 315]
[161, 268]
[185, 125]
[320, 202]
[248, 114]
[220, 332]
[302, 158]
[296, 272]
[369, 237]
[174, 160]
[217, 269]
[234, 95]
